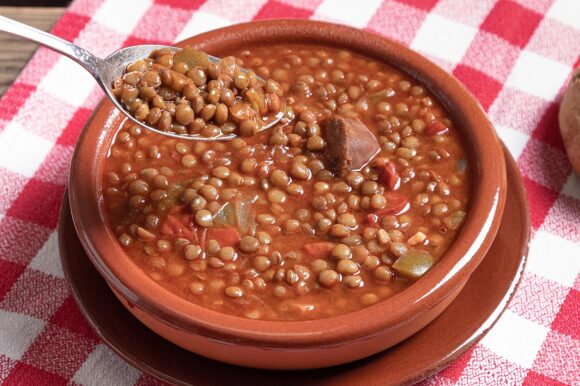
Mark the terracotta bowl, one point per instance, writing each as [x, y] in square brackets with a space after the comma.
[304, 344]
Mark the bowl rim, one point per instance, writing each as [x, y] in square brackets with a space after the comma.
[452, 271]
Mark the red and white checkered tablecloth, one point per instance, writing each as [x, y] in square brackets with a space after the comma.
[515, 56]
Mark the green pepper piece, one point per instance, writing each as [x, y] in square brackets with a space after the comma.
[244, 215]
[192, 57]
[454, 220]
[414, 263]
[225, 216]
[381, 95]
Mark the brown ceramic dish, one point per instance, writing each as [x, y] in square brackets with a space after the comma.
[461, 325]
[308, 344]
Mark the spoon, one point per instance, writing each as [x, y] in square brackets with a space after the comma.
[105, 71]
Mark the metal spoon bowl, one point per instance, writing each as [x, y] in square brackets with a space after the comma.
[105, 71]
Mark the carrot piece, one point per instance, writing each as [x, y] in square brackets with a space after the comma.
[227, 237]
[318, 250]
[436, 128]
[177, 228]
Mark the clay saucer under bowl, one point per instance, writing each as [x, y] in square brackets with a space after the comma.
[316, 343]
[461, 325]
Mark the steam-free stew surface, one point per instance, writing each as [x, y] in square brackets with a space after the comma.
[263, 228]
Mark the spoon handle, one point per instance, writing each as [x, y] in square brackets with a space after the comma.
[89, 61]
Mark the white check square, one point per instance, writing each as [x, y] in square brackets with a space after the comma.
[554, 258]
[516, 339]
[538, 75]
[572, 186]
[202, 22]
[121, 16]
[46, 260]
[69, 82]
[566, 11]
[514, 140]
[354, 14]
[443, 38]
[103, 367]
[17, 332]
[22, 152]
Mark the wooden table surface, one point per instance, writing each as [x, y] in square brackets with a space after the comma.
[15, 52]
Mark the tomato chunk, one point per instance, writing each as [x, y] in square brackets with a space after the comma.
[176, 228]
[436, 128]
[373, 220]
[396, 204]
[388, 175]
[318, 250]
[227, 237]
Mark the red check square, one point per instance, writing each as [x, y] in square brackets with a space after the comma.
[39, 203]
[190, 5]
[425, 5]
[14, 98]
[568, 319]
[10, 273]
[70, 25]
[500, 21]
[27, 375]
[540, 199]
[53, 341]
[484, 87]
[273, 9]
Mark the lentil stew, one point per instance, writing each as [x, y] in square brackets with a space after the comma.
[350, 199]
